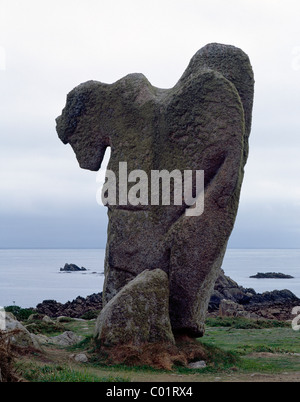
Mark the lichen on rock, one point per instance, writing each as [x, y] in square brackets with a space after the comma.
[138, 314]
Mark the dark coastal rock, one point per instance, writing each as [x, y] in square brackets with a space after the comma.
[74, 309]
[202, 123]
[272, 304]
[274, 297]
[276, 304]
[273, 275]
[72, 268]
[226, 288]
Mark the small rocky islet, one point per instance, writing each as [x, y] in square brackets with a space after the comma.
[271, 275]
[72, 268]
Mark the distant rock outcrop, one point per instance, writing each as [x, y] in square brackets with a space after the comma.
[72, 268]
[271, 275]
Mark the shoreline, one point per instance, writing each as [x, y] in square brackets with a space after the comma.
[29, 276]
[276, 304]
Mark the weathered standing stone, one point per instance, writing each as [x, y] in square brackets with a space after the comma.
[202, 123]
[138, 314]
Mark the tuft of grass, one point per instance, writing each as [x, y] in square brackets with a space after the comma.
[64, 319]
[86, 344]
[91, 314]
[41, 327]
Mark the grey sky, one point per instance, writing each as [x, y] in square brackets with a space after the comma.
[49, 47]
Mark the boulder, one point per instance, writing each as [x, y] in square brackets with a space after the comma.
[47, 319]
[79, 357]
[41, 339]
[197, 365]
[67, 338]
[229, 308]
[22, 338]
[138, 314]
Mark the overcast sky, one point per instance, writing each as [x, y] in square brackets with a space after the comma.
[49, 47]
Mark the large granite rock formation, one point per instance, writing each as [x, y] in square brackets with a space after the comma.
[202, 123]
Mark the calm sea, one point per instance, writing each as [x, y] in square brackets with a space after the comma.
[27, 277]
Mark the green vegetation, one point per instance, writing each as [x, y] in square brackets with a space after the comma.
[244, 323]
[244, 341]
[90, 315]
[60, 373]
[45, 328]
[82, 328]
[232, 346]
[20, 313]
[263, 345]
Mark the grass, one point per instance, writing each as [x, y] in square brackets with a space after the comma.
[45, 328]
[270, 364]
[245, 323]
[231, 345]
[263, 345]
[82, 328]
[243, 341]
[61, 373]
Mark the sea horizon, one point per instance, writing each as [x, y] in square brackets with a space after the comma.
[101, 248]
[30, 275]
